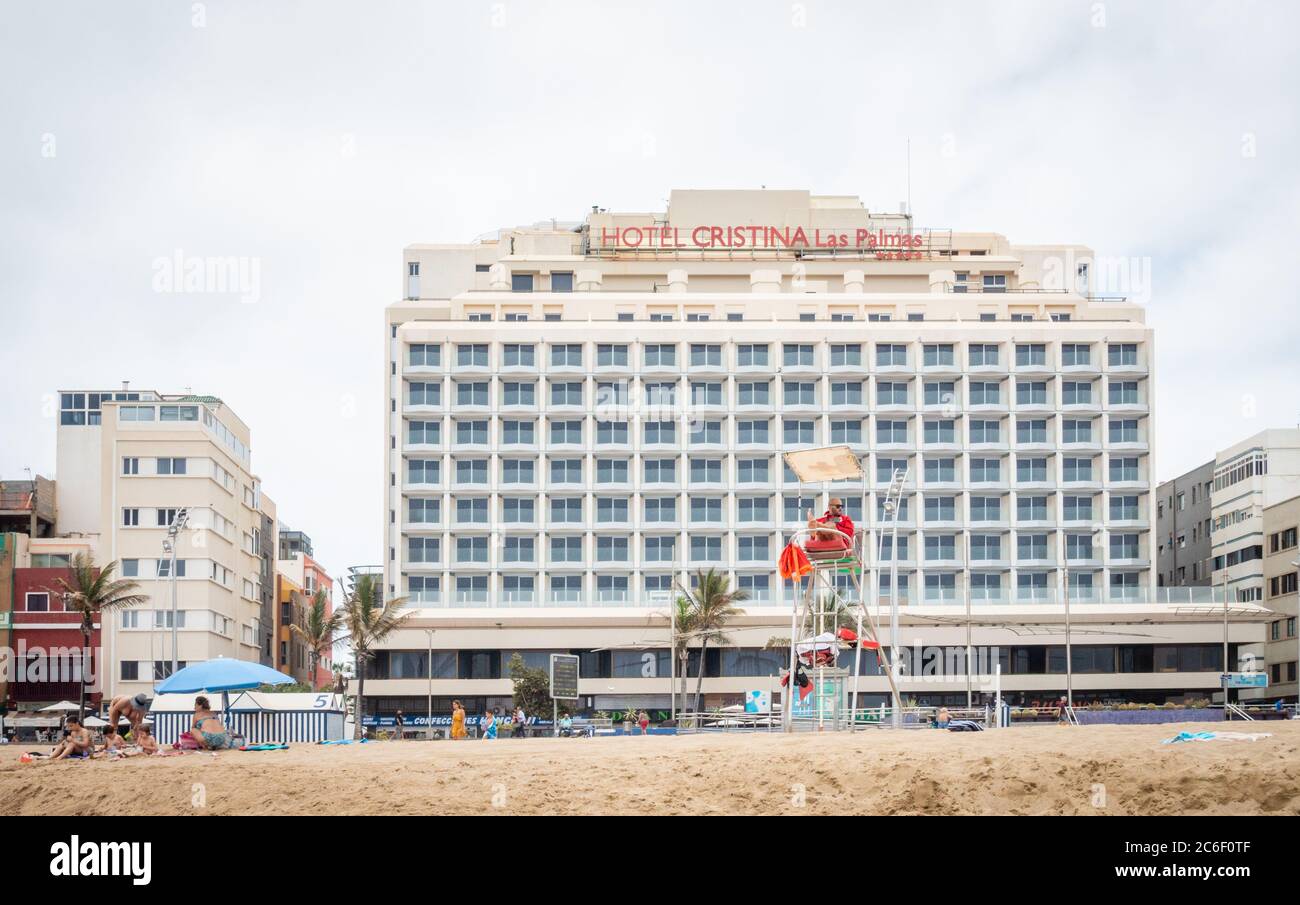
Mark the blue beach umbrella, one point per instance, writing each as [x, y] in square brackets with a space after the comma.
[223, 675]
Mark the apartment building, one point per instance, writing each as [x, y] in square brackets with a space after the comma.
[298, 578]
[1281, 523]
[1183, 524]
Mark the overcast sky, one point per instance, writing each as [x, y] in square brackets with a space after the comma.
[317, 139]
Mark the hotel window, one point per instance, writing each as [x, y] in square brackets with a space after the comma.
[983, 354]
[754, 393]
[424, 355]
[846, 355]
[472, 355]
[940, 432]
[941, 509]
[1077, 469]
[566, 355]
[1122, 508]
[940, 392]
[521, 282]
[982, 471]
[938, 355]
[566, 432]
[751, 355]
[519, 549]
[1029, 354]
[611, 588]
[878, 317]
[424, 394]
[1021, 317]
[660, 433]
[661, 355]
[706, 549]
[611, 510]
[752, 471]
[1077, 431]
[1031, 430]
[960, 278]
[518, 471]
[1031, 546]
[985, 431]
[660, 509]
[847, 393]
[611, 471]
[995, 282]
[611, 355]
[611, 393]
[472, 471]
[985, 509]
[424, 512]
[472, 510]
[1079, 508]
[423, 471]
[753, 431]
[562, 281]
[1122, 354]
[988, 316]
[1124, 546]
[566, 588]
[566, 549]
[891, 431]
[706, 471]
[706, 392]
[753, 509]
[807, 316]
[519, 355]
[1123, 430]
[891, 392]
[941, 547]
[423, 550]
[1031, 468]
[939, 471]
[551, 316]
[566, 510]
[696, 316]
[470, 433]
[472, 589]
[1073, 354]
[611, 433]
[891, 354]
[798, 355]
[753, 549]
[1123, 392]
[846, 431]
[472, 549]
[986, 587]
[566, 393]
[735, 316]
[915, 316]
[659, 316]
[472, 393]
[706, 355]
[515, 393]
[904, 508]
[660, 471]
[758, 587]
[706, 510]
[660, 549]
[984, 547]
[892, 549]
[660, 393]
[985, 392]
[1031, 392]
[1078, 546]
[797, 432]
[1124, 468]
[1076, 392]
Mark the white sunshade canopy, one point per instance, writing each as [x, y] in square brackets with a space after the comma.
[62, 706]
[826, 463]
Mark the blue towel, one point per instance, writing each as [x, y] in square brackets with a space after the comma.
[1190, 737]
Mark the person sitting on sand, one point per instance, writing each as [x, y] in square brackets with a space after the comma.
[943, 719]
[489, 725]
[206, 728]
[77, 743]
[566, 725]
[134, 709]
[148, 744]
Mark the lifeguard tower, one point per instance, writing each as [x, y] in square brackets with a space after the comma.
[815, 632]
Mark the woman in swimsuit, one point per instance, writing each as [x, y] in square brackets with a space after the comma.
[457, 720]
[206, 729]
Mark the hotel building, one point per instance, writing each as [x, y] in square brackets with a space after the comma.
[581, 415]
[128, 463]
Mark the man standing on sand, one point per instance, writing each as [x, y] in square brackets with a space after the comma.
[401, 725]
[134, 709]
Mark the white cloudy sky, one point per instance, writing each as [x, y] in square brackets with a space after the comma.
[320, 138]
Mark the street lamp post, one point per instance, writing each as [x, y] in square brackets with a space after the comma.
[169, 546]
[428, 726]
[969, 695]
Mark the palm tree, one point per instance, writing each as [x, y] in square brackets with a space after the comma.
[712, 605]
[368, 621]
[318, 632]
[684, 622]
[92, 591]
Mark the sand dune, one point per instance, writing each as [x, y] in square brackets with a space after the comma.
[1038, 770]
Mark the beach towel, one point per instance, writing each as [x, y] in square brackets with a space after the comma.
[268, 746]
[793, 562]
[1217, 736]
[340, 741]
[965, 726]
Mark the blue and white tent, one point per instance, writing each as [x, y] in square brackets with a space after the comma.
[260, 717]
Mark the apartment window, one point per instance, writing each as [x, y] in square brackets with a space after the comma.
[1031, 546]
[706, 432]
[798, 432]
[562, 281]
[611, 471]
[521, 282]
[1124, 468]
[758, 587]
[611, 588]
[660, 549]
[472, 549]
[566, 432]
[514, 393]
[424, 512]
[706, 471]
[891, 431]
[1031, 468]
[985, 392]
[423, 550]
[1124, 546]
[1122, 355]
[940, 392]
[518, 471]
[798, 355]
[660, 471]
[706, 549]
[472, 393]
[661, 433]
[1031, 354]
[178, 413]
[424, 355]
[940, 509]
[1031, 430]
[706, 355]
[753, 509]
[566, 549]
[660, 509]
[982, 354]
[423, 471]
[706, 392]
[753, 431]
[611, 510]
[566, 355]
[995, 282]
[1123, 508]
[1031, 508]
[424, 393]
[944, 431]
[847, 431]
[846, 392]
[940, 547]
[659, 316]
[423, 433]
[165, 517]
[706, 510]
[1074, 430]
[135, 413]
[1077, 469]
[754, 393]
[610, 433]
[472, 471]
[938, 355]
[1123, 392]
[752, 471]
[472, 355]
[1076, 392]
[985, 547]
[752, 355]
[753, 549]
[472, 589]
[611, 355]
[1123, 430]
[39, 601]
[985, 509]
[985, 470]
[1031, 392]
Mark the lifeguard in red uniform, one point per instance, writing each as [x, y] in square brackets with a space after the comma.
[838, 539]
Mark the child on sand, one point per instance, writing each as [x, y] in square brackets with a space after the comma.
[489, 725]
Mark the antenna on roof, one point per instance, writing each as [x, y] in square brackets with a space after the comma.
[909, 175]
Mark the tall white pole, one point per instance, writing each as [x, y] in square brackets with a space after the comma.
[175, 540]
[969, 693]
[429, 725]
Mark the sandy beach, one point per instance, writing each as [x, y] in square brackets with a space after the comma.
[1038, 770]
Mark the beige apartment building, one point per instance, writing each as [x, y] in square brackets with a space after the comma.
[581, 415]
[1281, 523]
[133, 466]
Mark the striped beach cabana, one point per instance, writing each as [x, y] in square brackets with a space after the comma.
[260, 717]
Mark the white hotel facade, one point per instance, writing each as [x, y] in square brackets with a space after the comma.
[580, 416]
